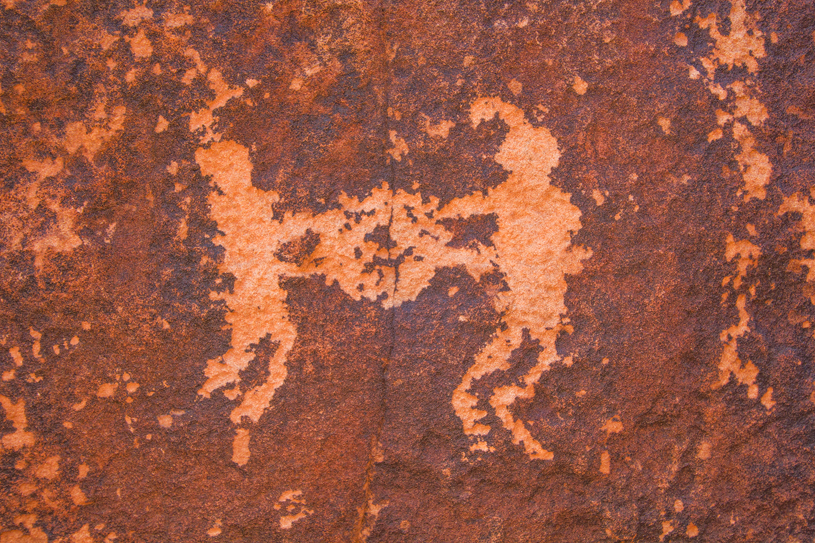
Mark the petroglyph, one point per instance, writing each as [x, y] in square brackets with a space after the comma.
[532, 248]
[15, 413]
[292, 503]
[742, 47]
[746, 255]
[801, 203]
[398, 362]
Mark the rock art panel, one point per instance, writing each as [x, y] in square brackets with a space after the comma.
[535, 223]
[407, 271]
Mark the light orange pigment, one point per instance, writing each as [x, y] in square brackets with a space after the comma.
[742, 47]
[15, 413]
[740, 111]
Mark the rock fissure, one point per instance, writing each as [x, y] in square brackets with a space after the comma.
[363, 526]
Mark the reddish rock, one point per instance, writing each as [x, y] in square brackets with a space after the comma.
[407, 271]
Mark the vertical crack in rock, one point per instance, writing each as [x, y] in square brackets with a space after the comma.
[364, 524]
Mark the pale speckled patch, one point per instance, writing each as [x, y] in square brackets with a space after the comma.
[134, 16]
[83, 535]
[801, 203]
[215, 530]
[667, 528]
[15, 414]
[140, 45]
[579, 85]
[223, 94]
[60, 236]
[97, 127]
[746, 255]
[605, 463]
[32, 533]
[293, 507]
[399, 148]
[741, 47]
[440, 129]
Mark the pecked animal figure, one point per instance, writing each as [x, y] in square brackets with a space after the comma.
[532, 249]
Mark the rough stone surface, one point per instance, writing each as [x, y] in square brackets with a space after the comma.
[407, 271]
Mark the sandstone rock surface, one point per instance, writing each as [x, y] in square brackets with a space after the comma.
[426, 270]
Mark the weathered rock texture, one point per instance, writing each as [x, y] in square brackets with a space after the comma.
[407, 271]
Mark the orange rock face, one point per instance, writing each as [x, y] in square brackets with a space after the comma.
[409, 271]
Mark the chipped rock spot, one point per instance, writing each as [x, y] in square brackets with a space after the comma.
[107, 390]
[34, 535]
[742, 47]
[730, 364]
[613, 425]
[292, 503]
[296, 84]
[579, 85]
[605, 463]
[77, 496]
[133, 17]
[371, 511]
[755, 166]
[177, 20]
[78, 136]
[215, 531]
[240, 447]
[165, 421]
[15, 414]
[399, 148]
[48, 469]
[140, 45]
[800, 203]
[746, 255]
[767, 399]
[440, 129]
[45, 168]
[667, 528]
[161, 124]
[16, 357]
[678, 7]
[703, 452]
[60, 236]
[83, 535]
[515, 87]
